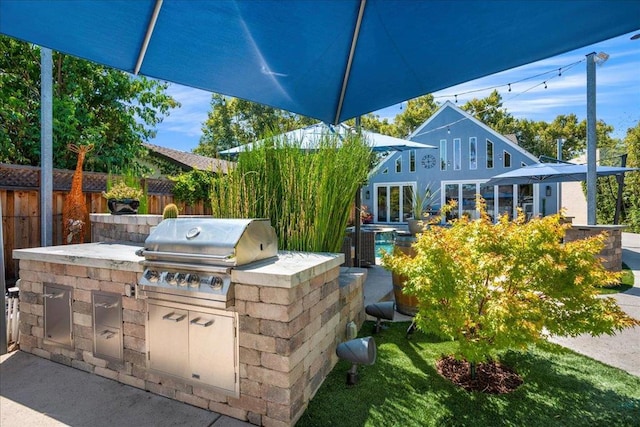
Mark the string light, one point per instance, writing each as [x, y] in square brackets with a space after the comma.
[559, 70]
[545, 85]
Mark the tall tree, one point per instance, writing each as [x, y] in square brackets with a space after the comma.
[91, 103]
[540, 138]
[232, 122]
[490, 111]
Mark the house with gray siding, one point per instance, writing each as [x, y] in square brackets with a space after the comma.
[468, 154]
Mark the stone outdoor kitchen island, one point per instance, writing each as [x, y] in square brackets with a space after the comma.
[291, 313]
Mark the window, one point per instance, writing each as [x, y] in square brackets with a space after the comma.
[412, 161]
[385, 171]
[522, 164]
[489, 154]
[399, 165]
[473, 150]
[506, 159]
[393, 202]
[457, 154]
[443, 154]
[451, 193]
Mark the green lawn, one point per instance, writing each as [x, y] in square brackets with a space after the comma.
[561, 388]
[626, 282]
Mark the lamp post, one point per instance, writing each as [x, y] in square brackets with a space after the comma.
[592, 59]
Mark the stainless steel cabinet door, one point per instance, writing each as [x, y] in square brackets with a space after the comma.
[168, 340]
[212, 350]
[57, 315]
[107, 325]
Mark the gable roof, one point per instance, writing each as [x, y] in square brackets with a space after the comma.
[466, 116]
[189, 161]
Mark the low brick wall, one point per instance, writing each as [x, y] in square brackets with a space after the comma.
[611, 254]
[287, 335]
[122, 228]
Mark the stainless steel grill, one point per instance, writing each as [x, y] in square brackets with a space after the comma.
[189, 260]
[187, 283]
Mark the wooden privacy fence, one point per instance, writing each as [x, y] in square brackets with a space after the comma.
[20, 198]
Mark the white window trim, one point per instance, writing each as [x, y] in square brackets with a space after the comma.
[457, 154]
[443, 155]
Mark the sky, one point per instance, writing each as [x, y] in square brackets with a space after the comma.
[617, 93]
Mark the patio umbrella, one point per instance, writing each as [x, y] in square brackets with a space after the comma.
[310, 136]
[331, 60]
[540, 173]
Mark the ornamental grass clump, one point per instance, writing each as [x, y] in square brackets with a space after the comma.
[307, 194]
[493, 287]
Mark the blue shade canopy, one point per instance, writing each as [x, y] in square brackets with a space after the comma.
[309, 137]
[331, 60]
[541, 173]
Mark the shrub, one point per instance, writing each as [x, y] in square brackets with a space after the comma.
[503, 286]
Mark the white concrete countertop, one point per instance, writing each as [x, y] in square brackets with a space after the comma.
[114, 256]
[287, 270]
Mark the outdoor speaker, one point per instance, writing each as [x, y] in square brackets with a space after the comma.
[381, 310]
[360, 351]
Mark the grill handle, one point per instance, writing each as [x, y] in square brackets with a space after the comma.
[197, 321]
[174, 317]
[176, 256]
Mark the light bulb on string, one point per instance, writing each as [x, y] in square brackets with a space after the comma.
[545, 85]
[509, 87]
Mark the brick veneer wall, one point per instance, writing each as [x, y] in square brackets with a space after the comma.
[122, 228]
[287, 337]
[611, 254]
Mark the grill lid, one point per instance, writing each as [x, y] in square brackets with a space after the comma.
[211, 241]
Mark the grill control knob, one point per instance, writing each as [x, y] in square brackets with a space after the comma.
[171, 279]
[194, 281]
[216, 282]
[152, 275]
[181, 279]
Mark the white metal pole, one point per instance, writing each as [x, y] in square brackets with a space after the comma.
[560, 141]
[591, 139]
[46, 147]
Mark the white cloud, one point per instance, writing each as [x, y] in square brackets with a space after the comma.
[187, 119]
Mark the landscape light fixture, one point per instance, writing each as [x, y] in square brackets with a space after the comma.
[360, 351]
[381, 310]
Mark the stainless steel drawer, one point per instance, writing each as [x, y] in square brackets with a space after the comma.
[108, 343]
[107, 309]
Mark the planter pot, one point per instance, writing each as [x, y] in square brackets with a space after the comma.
[405, 304]
[123, 206]
[416, 226]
